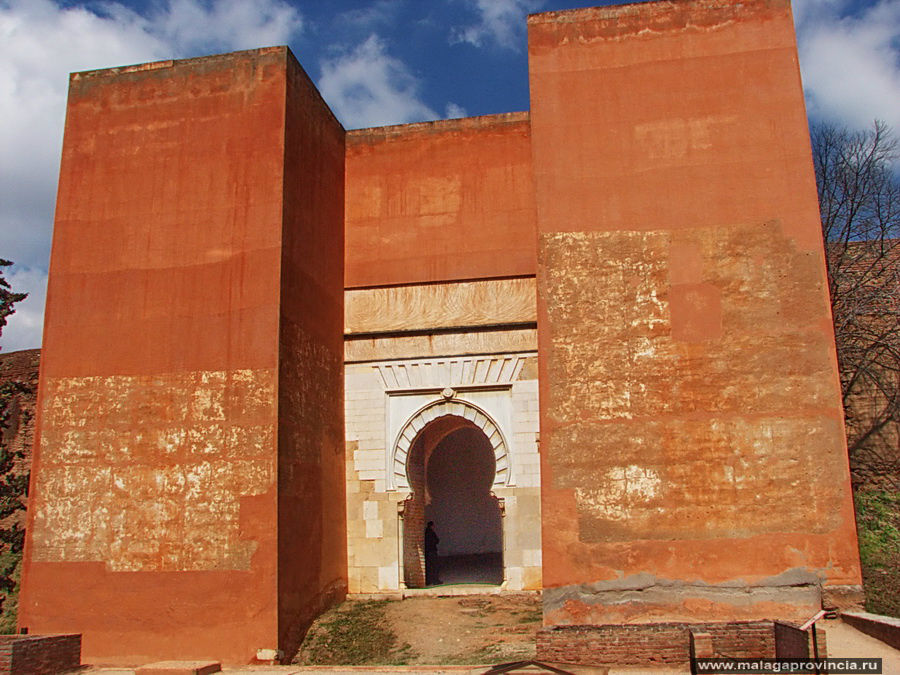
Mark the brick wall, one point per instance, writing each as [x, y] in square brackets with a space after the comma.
[39, 654]
[790, 641]
[21, 366]
[414, 540]
[885, 628]
[651, 644]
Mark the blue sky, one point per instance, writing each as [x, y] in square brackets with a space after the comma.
[375, 61]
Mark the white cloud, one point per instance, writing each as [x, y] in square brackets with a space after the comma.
[194, 27]
[368, 87]
[850, 62]
[41, 42]
[453, 111]
[23, 329]
[368, 17]
[500, 21]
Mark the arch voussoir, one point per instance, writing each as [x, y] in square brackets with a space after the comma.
[463, 409]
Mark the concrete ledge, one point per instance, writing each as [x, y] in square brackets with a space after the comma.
[884, 628]
[180, 668]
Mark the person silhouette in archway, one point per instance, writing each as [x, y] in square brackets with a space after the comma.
[431, 555]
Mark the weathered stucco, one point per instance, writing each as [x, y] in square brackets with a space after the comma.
[450, 200]
[147, 473]
[673, 423]
[693, 455]
[190, 408]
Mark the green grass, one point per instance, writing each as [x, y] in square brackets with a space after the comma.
[480, 656]
[354, 633]
[535, 616]
[878, 523]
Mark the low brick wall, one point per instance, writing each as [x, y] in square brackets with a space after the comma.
[39, 654]
[651, 644]
[884, 628]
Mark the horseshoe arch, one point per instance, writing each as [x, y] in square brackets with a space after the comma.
[443, 408]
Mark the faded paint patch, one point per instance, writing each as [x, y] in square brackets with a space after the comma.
[700, 479]
[620, 493]
[697, 419]
[668, 142]
[431, 195]
[696, 311]
[147, 473]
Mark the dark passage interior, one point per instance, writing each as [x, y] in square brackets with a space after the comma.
[451, 470]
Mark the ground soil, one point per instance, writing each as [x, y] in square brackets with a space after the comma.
[471, 629]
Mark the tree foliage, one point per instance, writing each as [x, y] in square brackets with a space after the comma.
[13, 477]
[859, 203]
[13, 490]
[13, 485]
[7, 297]
[13, 482]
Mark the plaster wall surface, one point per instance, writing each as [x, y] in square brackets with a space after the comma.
[440, 201]
[156, 490]
[693, 455]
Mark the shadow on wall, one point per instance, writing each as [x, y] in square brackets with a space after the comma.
[455, 460]
[459, 474]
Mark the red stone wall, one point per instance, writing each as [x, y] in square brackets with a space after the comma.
[440, 201]
[693, 457]
[312, 542]
[154, 489]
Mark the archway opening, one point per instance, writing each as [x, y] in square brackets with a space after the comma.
[451, 470]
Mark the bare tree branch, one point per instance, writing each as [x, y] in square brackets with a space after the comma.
[859, 204]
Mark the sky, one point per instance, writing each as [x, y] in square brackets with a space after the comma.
[376, 62]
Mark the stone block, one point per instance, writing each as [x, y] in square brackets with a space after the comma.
[374, 529]
[532, 579]
[701, 645]
[388, 578]
[514, 578]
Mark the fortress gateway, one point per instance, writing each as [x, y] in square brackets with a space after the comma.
[591, 341]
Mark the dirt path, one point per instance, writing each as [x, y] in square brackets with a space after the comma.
[471, 629]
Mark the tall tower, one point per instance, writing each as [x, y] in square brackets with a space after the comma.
[187, 495]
